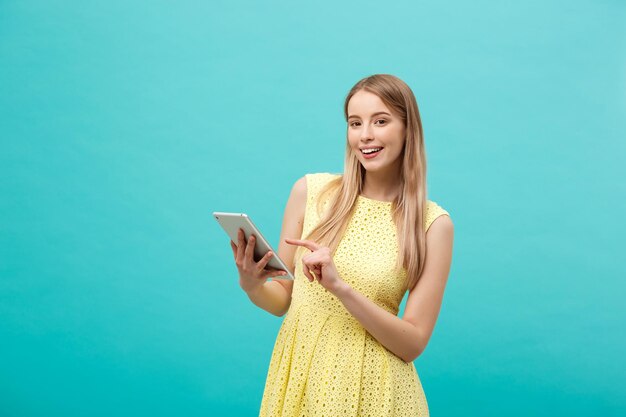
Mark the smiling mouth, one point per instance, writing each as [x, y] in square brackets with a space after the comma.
[371, 154]
[370, 149]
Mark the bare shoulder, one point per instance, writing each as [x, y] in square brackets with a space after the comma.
[299, 188]
[439, 246]
[440, 237]
[296, 204]
[442, 225]
[292, 227]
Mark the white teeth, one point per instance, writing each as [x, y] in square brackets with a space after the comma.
[371, 150]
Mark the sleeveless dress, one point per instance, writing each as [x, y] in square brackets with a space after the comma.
[324, 362]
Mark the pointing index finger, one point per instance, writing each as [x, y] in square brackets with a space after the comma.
[306, 243]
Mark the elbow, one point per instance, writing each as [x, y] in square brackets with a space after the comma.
[282, 312]
[416, 350]
[416, 346]
[282, 309]
[412, 356]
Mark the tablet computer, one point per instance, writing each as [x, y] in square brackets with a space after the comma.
[232, 222]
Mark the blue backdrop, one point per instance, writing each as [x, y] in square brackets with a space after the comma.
[123, 125]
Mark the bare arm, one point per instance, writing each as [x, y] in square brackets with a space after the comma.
[271, 297]
[408, 336]
[275, 296]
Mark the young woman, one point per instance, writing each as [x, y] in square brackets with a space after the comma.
[357, 242]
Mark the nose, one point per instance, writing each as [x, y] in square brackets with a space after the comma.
[367, 133]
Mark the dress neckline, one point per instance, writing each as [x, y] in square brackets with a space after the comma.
[362, 197]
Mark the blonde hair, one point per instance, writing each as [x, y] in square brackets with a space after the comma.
[408, 208]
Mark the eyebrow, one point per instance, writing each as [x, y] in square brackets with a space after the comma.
[375, 114]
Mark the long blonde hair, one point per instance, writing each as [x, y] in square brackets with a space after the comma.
[408, 208]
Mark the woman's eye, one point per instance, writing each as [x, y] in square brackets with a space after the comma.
[352, 124]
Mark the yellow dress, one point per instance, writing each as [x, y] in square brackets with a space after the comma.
[324, 362]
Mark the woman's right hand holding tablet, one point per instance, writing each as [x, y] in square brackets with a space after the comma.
[252, 275]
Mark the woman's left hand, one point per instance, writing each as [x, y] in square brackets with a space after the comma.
[319, 262]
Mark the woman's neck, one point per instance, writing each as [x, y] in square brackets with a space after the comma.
[381, 186]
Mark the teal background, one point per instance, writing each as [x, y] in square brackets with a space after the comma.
[123, 125]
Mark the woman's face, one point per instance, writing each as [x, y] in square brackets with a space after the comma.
[371, 124]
